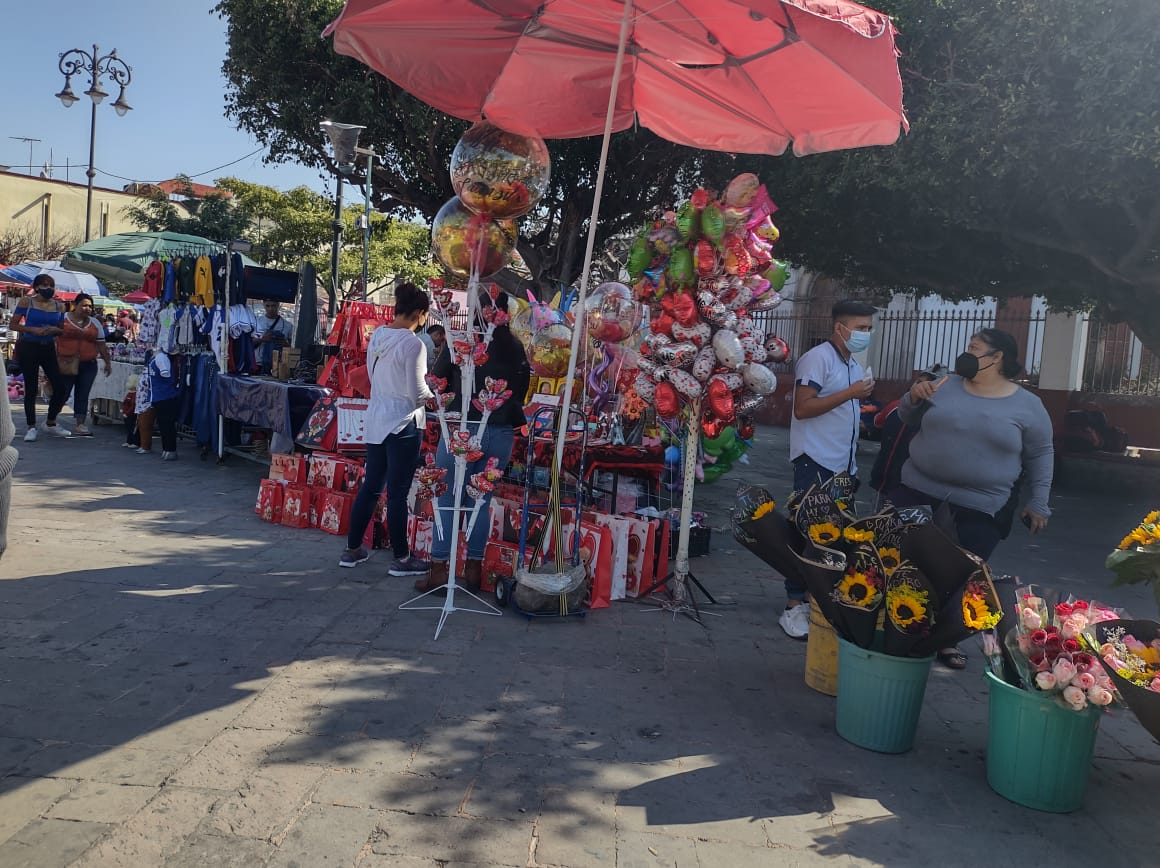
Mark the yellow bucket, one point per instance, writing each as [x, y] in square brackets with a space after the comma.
[821, 654]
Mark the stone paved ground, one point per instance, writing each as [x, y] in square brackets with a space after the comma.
[183, 685]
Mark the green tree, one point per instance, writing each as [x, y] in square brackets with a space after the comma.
[284, 80]
[1032, 164]
[214, 217]
[297, 225]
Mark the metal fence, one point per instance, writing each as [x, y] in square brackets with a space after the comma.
[909, 341]
[1117, 363]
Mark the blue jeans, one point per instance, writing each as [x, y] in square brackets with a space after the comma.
[806, 473]
[81, 385]
[391, 463]
[496, 442]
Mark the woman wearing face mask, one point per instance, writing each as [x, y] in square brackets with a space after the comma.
[38, 319]
[77, 349]
[978, 432]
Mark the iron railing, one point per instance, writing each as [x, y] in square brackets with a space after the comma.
[909, 341]
[1117, 363]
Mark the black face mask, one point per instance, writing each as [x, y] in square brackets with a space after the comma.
[46, 291]
[967, 365]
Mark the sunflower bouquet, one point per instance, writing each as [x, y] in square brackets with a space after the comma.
[1137, 557]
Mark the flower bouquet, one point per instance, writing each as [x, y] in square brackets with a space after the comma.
[1137, 557]
[1129, 652]
[1048, 652]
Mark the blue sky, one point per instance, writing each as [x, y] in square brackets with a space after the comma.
[178, 123]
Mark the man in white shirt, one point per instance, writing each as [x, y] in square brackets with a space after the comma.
[829, 386]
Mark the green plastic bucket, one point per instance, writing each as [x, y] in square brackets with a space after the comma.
[879, 697]
[1038, 753]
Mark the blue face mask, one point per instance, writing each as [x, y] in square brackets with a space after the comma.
[858, 341]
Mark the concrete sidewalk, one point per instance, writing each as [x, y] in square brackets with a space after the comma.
[184, 685]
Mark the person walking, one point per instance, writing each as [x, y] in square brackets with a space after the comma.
[829, 384]
[978, 433]
[80, 343]
[506, 360]
[38, 319]
[397, 365]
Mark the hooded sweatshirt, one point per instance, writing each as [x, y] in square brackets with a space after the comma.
[397, 365]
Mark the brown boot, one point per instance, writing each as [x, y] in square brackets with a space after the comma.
[437, 578]
[472, 574]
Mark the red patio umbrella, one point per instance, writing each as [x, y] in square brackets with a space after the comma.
[748, 76]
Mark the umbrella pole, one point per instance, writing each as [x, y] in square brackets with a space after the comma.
[587, 270]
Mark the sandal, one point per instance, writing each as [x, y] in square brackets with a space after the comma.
[952, 658]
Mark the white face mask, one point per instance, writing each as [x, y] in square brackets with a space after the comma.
[857, 341]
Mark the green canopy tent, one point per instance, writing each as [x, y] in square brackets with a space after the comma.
[123, 258]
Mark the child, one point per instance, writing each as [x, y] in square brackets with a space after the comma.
[129, 411]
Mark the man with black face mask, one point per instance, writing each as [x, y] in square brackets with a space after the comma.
[977, 433]
[829, 385]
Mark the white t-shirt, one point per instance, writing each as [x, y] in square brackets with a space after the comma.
[832, 438]
[397, 364]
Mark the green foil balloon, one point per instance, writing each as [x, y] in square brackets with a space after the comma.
[680, 266]
[687, 221]
[639, 256]
[776, 274]
[713, 223]
[713, 472]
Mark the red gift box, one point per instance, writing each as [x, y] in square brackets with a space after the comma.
[296, 506]
[334, 515]
[269, 503]
[288, 468]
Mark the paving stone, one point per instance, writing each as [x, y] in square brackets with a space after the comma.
[326, 835]
[647, 850]
[410, 793]
[229, 759]
[576, 827]
[24, 799]
[453, 839]
[266, 803]
[123, 765]
[214, 851]
[44, 843]
[102, 803]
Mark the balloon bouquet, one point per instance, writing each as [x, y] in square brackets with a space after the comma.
[704, 270]
[498, 177]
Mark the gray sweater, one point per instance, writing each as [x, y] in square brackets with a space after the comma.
[969, 450]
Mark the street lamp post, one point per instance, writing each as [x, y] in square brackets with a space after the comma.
[75, 61]
[344, 143]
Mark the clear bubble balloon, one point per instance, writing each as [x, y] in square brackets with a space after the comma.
[500, 174]
[549, 351]
[461, 239]
[532, 318]
[611, 313]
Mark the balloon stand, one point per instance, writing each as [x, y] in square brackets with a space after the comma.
[681, 584]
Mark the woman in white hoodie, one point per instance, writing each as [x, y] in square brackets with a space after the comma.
[397, 365]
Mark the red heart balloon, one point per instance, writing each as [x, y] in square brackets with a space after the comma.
[721, 400]
[684, 308]
[713, 428]
[663, 325]
[666, 400]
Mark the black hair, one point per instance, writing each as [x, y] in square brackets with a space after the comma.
[505, 346]
[42, 279]
[997, 339]
[436, 328]
[81, 296]
[410, 299]
[851, 307]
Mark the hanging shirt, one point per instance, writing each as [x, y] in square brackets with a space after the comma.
[150, 322]
[163, 384]
[169, 293]
[186, 277]
[154, 284]
[202, 282]
[166, 335]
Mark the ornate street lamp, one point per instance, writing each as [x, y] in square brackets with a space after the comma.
[344, 143]
[75, 61]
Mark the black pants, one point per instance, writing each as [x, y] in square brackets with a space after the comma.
[167, 422]
[978, 532]
[131, 436]
[392, 464]
[35, 357]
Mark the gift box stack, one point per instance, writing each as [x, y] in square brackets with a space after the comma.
[625, 555]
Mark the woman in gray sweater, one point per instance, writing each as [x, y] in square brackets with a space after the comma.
[978, 432]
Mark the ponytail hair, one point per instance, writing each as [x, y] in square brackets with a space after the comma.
[997, 339]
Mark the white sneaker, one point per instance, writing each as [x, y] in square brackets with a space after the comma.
[141, 451]
[168, 456]
[796, 621]
[30, 437]
[57, 431]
